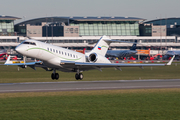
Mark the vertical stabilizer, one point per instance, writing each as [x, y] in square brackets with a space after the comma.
[101, 47]
[134, 45]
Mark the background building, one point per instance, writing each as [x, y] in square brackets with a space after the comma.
[79, 26]
[83, 32]
[7, 25]
[172, 25]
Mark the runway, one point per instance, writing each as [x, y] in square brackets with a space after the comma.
[88, 85]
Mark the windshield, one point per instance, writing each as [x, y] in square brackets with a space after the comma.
[31, 43]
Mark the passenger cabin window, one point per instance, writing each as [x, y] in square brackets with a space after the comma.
[30, 43]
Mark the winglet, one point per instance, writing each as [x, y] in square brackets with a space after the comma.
[169, 63]
[8, 60]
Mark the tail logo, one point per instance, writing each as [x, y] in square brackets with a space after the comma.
[99, 48]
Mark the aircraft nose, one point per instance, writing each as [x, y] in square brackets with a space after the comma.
[18, 49]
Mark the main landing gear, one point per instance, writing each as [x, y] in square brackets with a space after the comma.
[55, 75]
[79, 76]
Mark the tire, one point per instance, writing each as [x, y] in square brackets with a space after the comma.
[77, 76]
[80, 76]
[52, 76]
[56, 76]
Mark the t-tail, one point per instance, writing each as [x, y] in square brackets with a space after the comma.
[134, 45]
[102, 46]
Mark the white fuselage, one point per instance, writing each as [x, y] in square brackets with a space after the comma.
[50, 55]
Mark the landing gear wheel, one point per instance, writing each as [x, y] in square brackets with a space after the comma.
[76, 76]
[79, 76]
[55, 76]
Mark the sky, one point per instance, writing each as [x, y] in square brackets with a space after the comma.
[146, 9]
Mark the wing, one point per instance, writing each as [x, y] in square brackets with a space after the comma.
[83, 66]
[20, 63]
[88, 66]
[71, 66]
[23, 64]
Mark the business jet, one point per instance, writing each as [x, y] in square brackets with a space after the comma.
[173, 52]
[53, 58]
[122, 53]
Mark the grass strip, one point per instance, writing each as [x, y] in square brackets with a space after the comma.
[138, 104]
[10, 74]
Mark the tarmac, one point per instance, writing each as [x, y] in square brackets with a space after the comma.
[88, 85]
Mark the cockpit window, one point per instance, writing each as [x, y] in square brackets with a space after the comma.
[25, 43]
[30, 43]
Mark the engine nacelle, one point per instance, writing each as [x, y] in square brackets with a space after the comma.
[95, 58]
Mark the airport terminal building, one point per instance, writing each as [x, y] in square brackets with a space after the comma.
[79, 26]
[172, 25]
[7, 25]
[84, 32]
